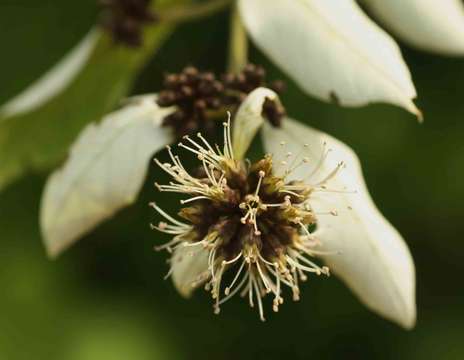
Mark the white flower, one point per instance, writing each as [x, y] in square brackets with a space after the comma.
[108, 164]
[235, 219]
[334, 51]
[241, 217]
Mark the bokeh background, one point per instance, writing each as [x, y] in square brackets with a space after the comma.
[105, 298]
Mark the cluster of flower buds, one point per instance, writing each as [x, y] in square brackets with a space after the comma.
[201, 97]
[125, 19]
[196, 95]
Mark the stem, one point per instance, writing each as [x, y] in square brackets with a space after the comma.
[182, 13]
[238, 43]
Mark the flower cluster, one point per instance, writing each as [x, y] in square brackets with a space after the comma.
[246, 218]
[201, 98]
[125, 19]
[196, 94]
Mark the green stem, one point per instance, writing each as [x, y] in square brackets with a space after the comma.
[238, 43]
[182, 13]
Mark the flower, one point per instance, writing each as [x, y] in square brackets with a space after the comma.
[266, 221]
[244, 217]
[108, 164]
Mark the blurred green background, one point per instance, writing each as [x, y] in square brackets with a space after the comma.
[106, 299]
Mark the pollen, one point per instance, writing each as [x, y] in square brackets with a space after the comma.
[253, 222]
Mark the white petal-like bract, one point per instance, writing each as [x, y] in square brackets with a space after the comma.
[249, 119]
[189, 263]
[332, 50]
[54, 81]
[368, 254]
[104, 172]
[433, 25]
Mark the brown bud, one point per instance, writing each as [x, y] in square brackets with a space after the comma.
[273, 111]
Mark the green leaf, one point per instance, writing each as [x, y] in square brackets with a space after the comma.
[39, 139]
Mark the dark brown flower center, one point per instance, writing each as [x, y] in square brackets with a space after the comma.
[255, 211]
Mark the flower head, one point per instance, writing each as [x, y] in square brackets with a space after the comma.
[196, 94]
[201, 98]
[251, 222]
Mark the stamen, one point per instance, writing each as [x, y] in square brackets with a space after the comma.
[250, 287]
[263, 278]
[227, 289]
[233, 260]
[193, 199]
[323, 157]
[261, 175]
[168, 217]
[229, 138]
[205, 142]
[236, 290]
[331, 174]
[260, 303]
